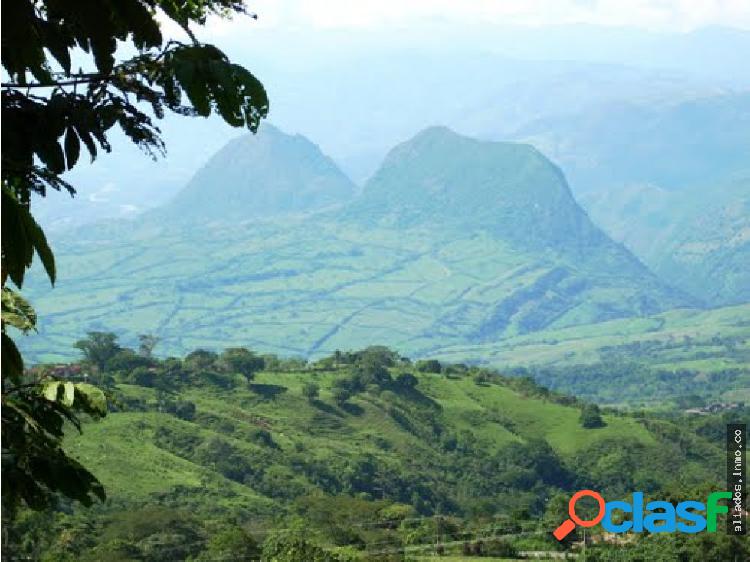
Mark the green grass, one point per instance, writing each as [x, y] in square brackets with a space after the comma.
[310, 287]
[494, 414]
[586, 343]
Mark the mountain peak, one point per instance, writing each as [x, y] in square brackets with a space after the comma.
[440, 176]
[266, 174]
[436, 132]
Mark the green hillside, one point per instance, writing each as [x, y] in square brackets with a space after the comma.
[655, 361]
[697, 239]
[669, 182]
[363, 462]
[453, 242]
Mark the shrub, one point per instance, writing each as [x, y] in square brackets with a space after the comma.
[591, 417]
[142, 376]
[286, 547]
[311, 391]
[241, 361]
[341, 394]
[406, 381]
[429, 366]
[185, 410]
[232, 543]
[500, 548]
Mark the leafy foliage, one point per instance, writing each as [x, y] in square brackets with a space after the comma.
[591, 417]
[34, 462]
[286, 547]
[231, 463]
[43, 135]
[241, 361]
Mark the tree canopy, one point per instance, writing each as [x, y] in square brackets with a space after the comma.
[51, 113]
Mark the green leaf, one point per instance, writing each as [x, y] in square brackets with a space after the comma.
[17, 312]
[89, 142]
[91, 399]
[12, 362]
[21, 237]
[52, 155]
[70, 393]
[72, 147]
[58, 45]
[50, 390]
[39, 241]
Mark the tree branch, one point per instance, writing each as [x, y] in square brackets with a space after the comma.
[84, 79]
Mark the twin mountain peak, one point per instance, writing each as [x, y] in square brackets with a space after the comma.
[452, 241]
[437, 176]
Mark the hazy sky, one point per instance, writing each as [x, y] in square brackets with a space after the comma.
[359, 76]
[666, 15]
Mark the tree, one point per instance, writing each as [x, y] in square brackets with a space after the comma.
[341, 394]
[241, 361]
[48, 112]
[373, 372]
[146, 345]
[429, 366]
[406, 381]
[289, 547]
[125, 361]
[379, 355]
[232, 543]
[311, 391]
[98, 348]
[201, 360]
[591, 417]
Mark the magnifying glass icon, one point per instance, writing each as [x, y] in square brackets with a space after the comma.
[569, 524]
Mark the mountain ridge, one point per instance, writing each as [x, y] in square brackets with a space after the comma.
[501, 249]
[255, 180]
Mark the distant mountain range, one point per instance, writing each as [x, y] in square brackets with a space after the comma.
[357, 95]
[672, 183]
[453, 241]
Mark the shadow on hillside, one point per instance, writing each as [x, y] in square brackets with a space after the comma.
[415, 395]
[327, 408]
[268, 391]
[353, 409]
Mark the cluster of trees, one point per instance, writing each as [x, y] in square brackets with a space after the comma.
[635, 382]
[454, 471]
[108, 362]
[591, 417]
[717, 346]
[154, 534]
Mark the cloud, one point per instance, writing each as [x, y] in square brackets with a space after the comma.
[101, 196]
[671, 15]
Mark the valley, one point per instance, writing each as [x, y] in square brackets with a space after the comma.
[422, 259]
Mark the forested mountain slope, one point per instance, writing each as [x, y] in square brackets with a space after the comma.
[361, 450]
[670, 181]
[453, 241]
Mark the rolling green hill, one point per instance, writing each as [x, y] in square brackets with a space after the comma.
[689, 331]
[360, 472]
[681, 357]
[453, 242]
